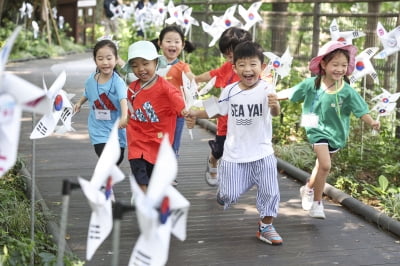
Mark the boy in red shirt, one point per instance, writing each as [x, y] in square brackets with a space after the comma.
[154, 104]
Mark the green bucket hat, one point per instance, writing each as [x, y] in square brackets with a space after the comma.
[145, 50]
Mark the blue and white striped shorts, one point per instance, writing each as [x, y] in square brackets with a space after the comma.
[237, 178]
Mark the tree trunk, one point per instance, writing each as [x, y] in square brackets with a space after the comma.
[279, 30]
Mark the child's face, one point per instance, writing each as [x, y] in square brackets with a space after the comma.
[336, 68]
[105, 60]
[249, 70]
[143, 69]
[171, 45]
[229, 56]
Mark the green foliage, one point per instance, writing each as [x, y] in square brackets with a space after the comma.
[349, 185]
[27, 47]
[15, 223]
[298, 154]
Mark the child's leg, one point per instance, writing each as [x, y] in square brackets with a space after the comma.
[265, 176]
[320, 171]
[234, 179]
[142, 171]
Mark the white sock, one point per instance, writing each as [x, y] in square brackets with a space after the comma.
[263, 225]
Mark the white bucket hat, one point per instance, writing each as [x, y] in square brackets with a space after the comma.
[145, 50]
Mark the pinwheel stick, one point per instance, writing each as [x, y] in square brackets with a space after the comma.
[119, 210]
[68, 186]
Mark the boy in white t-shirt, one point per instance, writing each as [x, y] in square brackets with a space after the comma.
[248, 157]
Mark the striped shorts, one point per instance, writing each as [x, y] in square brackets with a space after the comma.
[237, 178]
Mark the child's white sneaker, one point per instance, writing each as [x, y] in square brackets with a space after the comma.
[307, 197]
[317, 210]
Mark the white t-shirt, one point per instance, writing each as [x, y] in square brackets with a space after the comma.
[249, 122]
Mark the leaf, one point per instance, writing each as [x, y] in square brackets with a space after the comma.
[383, 183]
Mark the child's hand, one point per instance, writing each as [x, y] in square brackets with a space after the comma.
[376, 125]
[190, 120]
[77, 107]
[272, 100]
[123, 122]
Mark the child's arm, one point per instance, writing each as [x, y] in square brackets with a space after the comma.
[273, 104]
[78, 105]
[203, 77]
[192, 115]
[123, 121]
[375, 124]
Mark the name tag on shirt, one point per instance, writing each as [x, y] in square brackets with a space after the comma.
[102, 114]
[309, 120]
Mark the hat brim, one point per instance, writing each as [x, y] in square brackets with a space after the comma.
[315, 67]
[161, 63]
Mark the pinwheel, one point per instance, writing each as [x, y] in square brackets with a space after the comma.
[228, 19]
[190, 95]
[363, 65]
[35, 27]
[61, 110]
[117, 10]
[175, 13]
[345, 37]
[159, 13]
[54, 12]
[214, 30]
[26, 10]
[250, 16]
[207, 87]
[390, 41]
[188, 20]
[61, 22]
[105, 175]
[386, 102]
[160, 211]
[144, 17]
[16, 95]
[279, 65]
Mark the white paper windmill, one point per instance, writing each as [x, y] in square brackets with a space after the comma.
[363, 65]
[386, 102]
[26, 10]
[250, 16]
[99, 192]
[159, 13]
[188, 21]
[144, 18]
[61, 110]
[280, 66]
[214, 30]
[35, 27]
[160, 211]
[390, 41]
[207, 87]
[228, 19]
[16, 95]
[345, 37]
[175, 13]
[190, 89]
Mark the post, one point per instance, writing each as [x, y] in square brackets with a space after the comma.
[66, 191]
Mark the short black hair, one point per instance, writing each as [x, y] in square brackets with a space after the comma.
[248, 49]
[232, 37]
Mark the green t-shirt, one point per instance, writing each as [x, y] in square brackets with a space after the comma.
[332, 108]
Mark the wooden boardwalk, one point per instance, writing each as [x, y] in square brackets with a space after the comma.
[214, 236]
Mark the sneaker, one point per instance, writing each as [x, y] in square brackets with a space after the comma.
[219, 200]
[317, 210]
[269, 235]
[307, 197]
[174, 183]
[211, 174]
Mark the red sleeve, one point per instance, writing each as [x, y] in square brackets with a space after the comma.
[225, 75]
